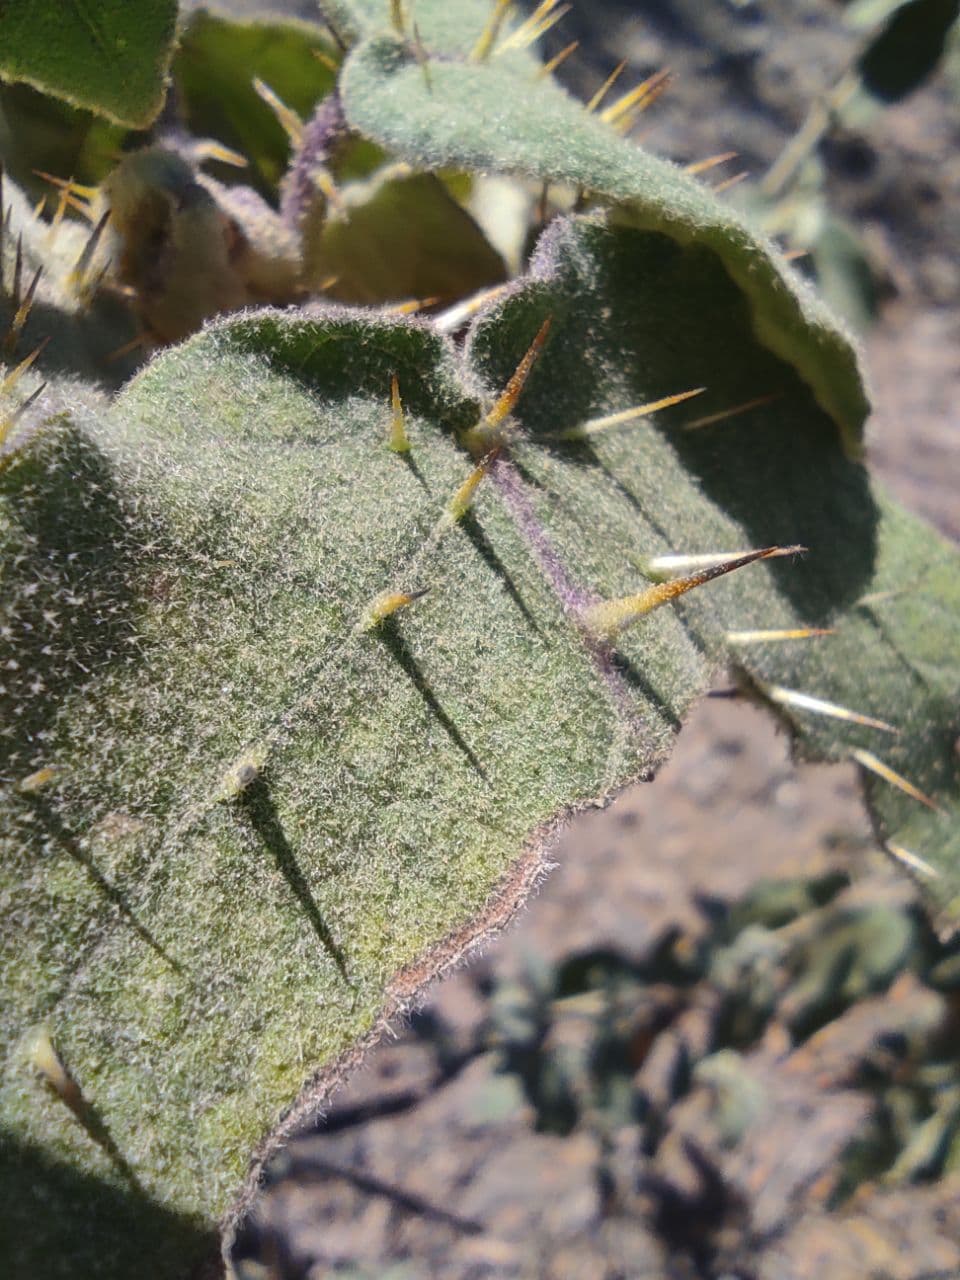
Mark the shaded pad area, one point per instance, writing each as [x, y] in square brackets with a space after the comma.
[216, 63]
[636, 318]
[64, 1217]
[397, 236]
[774, 473]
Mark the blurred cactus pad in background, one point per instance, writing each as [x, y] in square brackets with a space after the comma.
[391, 454]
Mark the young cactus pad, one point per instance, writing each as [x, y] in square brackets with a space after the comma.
[291, 715]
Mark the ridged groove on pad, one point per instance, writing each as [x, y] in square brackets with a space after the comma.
[490, 118]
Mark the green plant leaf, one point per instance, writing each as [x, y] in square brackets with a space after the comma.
[907, 48]
[38, 132]
[111, 56]
[495, 117]
[214, 69]
[397, 236]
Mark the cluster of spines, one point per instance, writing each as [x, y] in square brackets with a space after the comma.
[621, 114]
[21, 303]
[22, 294]
[495, 39]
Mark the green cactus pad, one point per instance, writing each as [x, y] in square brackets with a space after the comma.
[111, 56]
[884, 582]
[259, 815]
[214, 69]
[397, 236]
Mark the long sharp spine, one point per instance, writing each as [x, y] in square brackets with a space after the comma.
[609, 618]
